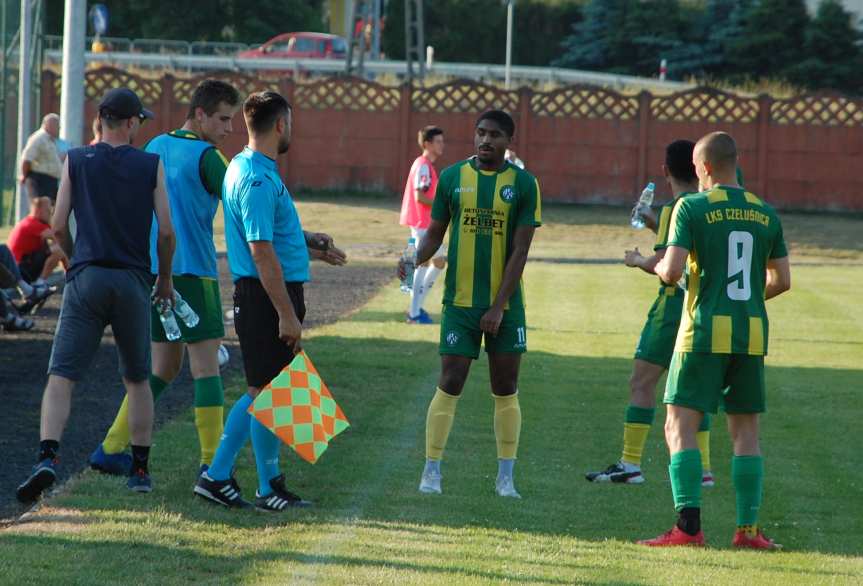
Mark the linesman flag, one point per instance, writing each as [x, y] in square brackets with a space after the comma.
[297, 406]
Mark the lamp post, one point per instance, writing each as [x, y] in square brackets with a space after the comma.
[510, 4]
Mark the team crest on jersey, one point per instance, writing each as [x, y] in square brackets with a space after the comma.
[507, 193]
[452, 338]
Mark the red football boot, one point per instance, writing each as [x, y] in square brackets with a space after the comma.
[675, 536]
[760, 541]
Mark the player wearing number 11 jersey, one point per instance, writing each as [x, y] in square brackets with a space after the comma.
[492, 208]
[732, 245]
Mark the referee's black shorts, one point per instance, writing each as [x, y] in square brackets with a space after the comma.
[257, 326]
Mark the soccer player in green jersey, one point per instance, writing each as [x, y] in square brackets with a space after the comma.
[195, 169]
[492, 208]
[656, 344]
[731, 244]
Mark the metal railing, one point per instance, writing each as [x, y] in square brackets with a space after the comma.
[155, 46]
[476, 71]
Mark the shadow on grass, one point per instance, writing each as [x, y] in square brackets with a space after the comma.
[572, 408]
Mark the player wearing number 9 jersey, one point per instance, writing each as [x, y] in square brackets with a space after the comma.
[732, 247]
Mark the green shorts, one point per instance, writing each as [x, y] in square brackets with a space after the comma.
[656, 344]
[202, 294]
[702, 381]
[460, 333]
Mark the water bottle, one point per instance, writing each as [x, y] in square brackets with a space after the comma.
[184, 311]
[645, 201]
[169, 321]
[409, 259]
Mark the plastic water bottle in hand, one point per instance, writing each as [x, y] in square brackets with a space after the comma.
[169, 320]
[184, 311]
[409, 260]
[644, 202]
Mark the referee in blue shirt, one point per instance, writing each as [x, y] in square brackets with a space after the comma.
[268, 254]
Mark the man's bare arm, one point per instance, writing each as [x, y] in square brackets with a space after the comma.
[166, 240]
[634, 258]
[273, 280]
[521, 240]
[670, 268]
[431, 241]
[778, 277]
[60, 222]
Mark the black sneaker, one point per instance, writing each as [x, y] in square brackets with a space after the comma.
[280, 499]
[621, 472]
[221, 492]
[42, 476]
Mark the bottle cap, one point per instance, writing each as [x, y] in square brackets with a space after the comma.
[412, 241]
[651, 186]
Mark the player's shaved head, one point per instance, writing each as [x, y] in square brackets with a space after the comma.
[262, 109]
[719, 150]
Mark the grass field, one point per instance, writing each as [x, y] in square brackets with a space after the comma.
[371, 526]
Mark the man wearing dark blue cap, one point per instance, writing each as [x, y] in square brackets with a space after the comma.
[113, 189]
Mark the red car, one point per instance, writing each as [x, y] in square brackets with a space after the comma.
[300, 46]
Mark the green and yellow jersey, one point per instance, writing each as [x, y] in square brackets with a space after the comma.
[483, 208]
[730, 235]
[662, 224]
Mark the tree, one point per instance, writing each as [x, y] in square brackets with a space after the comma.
[202, 20]
[597, 41]
[774, 33]
[714, 34]
[833, 57]
[474, 31]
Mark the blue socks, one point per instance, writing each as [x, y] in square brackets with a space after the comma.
[266, 446]
[234, 436]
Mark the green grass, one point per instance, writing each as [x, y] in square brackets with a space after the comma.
[371, 526]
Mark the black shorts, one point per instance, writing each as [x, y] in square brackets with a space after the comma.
[257, 325]
[31, 264]
[42, 185]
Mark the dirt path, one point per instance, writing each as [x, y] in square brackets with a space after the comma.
[332, 293]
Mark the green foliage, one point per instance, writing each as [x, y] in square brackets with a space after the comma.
[202, 20]
[834, 59]
[773, 37]
[731, 40]
[474, 31]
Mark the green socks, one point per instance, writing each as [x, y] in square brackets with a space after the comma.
[685, 472]
[747, 473]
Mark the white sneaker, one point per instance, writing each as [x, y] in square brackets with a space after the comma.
[707, 479]
[504, 486]
[622, 472]
[430, 483]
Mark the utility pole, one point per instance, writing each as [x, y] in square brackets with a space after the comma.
[25, 39]
[72, 89]
[508, 69]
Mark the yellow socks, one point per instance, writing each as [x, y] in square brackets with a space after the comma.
[703, 439]
[507, 425]
[209, 412]
[636, 426]
[118, 435]
[439, 422]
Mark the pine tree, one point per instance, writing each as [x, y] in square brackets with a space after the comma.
[833, 57]
[596, 42]
[714, 35]
[773, 38]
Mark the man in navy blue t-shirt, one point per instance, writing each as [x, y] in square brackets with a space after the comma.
[113, 189]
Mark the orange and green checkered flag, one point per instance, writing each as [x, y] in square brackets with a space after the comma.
[297, 406]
